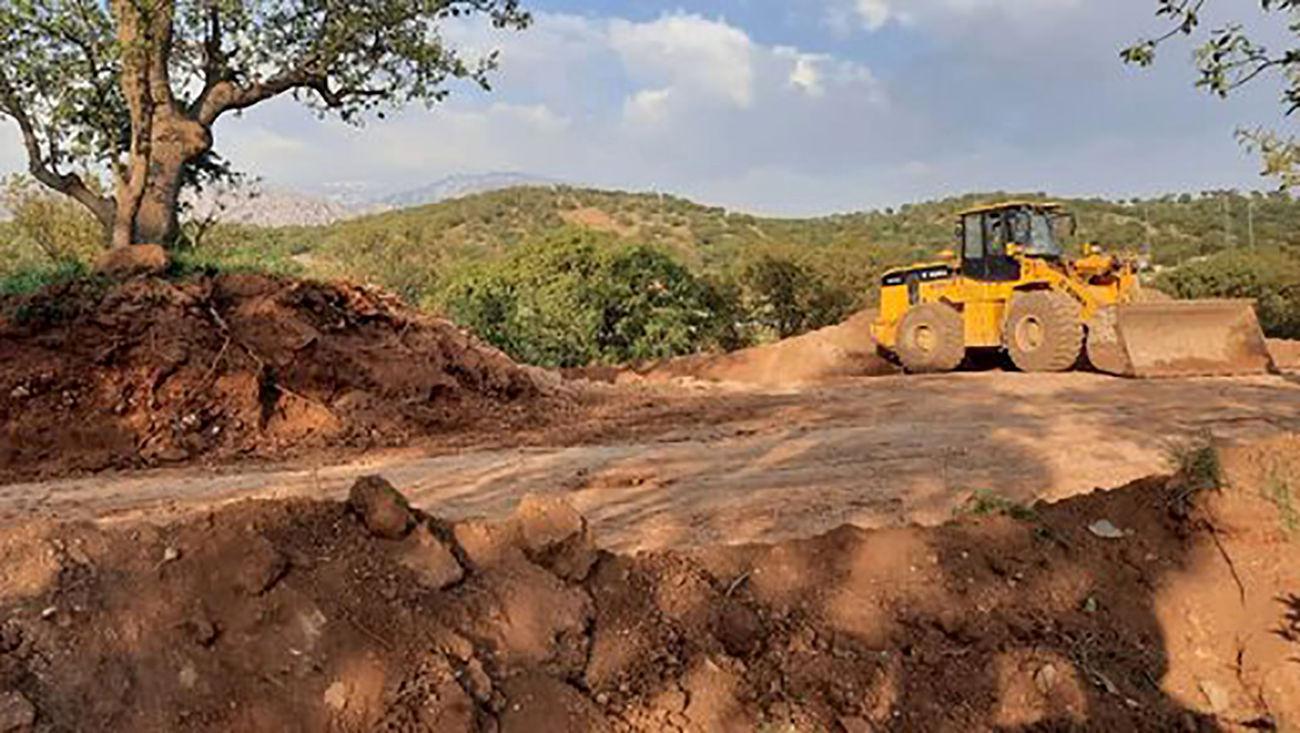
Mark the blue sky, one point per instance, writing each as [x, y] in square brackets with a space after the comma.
[793, 107]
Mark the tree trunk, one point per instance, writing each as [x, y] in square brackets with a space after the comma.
[163, 138]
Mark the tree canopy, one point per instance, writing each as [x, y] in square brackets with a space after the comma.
[1229, 58]
[131, 88]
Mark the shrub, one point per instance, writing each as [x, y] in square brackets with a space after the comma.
[32, 278]
[783, 297]
[47, 230]
[577, 297]
[1271, 278]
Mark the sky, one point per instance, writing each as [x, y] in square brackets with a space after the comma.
[792, 107]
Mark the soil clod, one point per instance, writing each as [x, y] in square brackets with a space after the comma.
[382, 509]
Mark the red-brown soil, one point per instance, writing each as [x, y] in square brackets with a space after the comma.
[298, 616]
[1286, 354]
[843, 350]
[151, 372]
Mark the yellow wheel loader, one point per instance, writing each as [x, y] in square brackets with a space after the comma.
[1012, 288]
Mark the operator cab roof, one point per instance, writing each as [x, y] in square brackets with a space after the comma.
[1001, 205]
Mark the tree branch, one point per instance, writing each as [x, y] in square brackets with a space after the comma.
[68, 184]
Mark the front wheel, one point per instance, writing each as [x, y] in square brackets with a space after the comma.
[1043, 332]
[931, 339]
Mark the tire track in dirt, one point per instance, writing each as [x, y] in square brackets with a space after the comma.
[730, 465]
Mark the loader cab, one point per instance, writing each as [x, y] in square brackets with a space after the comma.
[986, 234]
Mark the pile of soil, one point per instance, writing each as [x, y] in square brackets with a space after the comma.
[843, 350]
[152, 371]
[1168, 604]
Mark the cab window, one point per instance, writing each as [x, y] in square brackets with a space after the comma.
[973, 244]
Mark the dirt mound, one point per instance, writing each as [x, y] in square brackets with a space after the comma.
[843, 350]
[151, 371]
[1164, 605]
[1286, 354]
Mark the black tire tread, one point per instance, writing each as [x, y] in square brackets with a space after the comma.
[947, 322]
[1059, 314]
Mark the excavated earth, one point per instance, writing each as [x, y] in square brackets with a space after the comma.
[152, 372]
[1169, 604]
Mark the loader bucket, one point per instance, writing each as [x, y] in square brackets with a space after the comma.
[1179, 338]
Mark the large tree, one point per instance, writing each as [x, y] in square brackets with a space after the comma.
[1229, 58]
[131, 89]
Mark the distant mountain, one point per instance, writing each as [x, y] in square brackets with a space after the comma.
[457, 186]
[273, 207]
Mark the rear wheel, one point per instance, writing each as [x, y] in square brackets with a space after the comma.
[931, 339]
[1043, 332]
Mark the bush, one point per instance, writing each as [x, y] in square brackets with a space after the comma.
[48, 234]
[1271, 278]
[32, 278]
[782, 297]
[577, 297]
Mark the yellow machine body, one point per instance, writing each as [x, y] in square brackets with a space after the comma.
[1014, 253]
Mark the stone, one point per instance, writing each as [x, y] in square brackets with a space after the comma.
[426, 556]
[545, 522]
[17, 714]
[555, 535]
[382, 508]
[261, 567]
[1045, 678]
[739, 629]
[138, 259]
[477, 681]
[336, 696]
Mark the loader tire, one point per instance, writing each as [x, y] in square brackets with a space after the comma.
[1043, 332]
[931, 339]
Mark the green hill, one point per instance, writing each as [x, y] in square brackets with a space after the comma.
[525, 264]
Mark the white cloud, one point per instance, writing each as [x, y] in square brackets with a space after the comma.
[807, 74]
[1005, 94]
[949, 15]
[874, 13]
[648, 106]
[690, 51]
[11, 146]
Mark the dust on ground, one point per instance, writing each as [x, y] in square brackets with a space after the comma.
[153, 372]
[1167, 604]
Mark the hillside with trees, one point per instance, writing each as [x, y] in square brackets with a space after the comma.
[540, 271]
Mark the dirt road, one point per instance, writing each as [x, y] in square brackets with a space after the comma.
[708, 465]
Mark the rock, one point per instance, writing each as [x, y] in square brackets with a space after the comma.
[336, 696]
[555, 535]
[487, 544]
[171, 554]
[138, 259]
[429, 559]
[189, 676]
[545, 522]
[1045, 678]
[20, 392]
[382, 508]
[1106, 530]
[740, 630]
[260, 568]
[477, 681]
[856, 725]
[17, 715]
